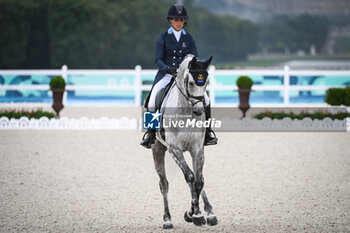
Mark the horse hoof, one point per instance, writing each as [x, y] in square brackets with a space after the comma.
[168, 225]
[187, 217]
[212, 220]
[199, 221]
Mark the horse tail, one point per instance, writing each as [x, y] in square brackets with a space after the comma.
[171, 149]
[160, 139]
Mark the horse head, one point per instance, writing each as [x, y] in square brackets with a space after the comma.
[193, 78]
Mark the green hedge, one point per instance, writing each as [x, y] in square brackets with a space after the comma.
[347, 96]
[338, 96]
[316, 115]
[16, 114]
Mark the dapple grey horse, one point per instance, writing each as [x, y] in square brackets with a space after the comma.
[188, 99]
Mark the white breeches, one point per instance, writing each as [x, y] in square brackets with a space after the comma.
[161, 84]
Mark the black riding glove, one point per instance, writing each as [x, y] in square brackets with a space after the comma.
[171, 70]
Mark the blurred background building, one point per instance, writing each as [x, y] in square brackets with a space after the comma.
[337, 11]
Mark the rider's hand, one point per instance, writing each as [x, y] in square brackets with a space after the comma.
[171, 70]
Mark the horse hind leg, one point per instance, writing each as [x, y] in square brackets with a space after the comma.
[211, 219]
[158, 157]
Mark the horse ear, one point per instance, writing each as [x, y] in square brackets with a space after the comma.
[193, 61]
[207, 62]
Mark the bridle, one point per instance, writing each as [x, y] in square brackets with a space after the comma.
[192, 99]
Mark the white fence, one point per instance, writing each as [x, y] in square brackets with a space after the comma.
[138, 87]
[229, 125]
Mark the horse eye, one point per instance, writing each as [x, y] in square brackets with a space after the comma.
[191, 84]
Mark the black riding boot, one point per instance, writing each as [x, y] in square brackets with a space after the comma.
[148, 138]
[210, 137]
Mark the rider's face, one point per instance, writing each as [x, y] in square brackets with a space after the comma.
[177, 23]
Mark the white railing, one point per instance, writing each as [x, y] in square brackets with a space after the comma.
[138, 87]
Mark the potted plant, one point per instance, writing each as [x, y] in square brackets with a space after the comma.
[57, 85]
[244, 84]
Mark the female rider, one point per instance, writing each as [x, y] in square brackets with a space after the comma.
[172, 47]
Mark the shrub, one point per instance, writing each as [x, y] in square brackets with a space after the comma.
[244, 82]
[316, 115]
[347, 96]
[335, 96]
[57, 82]
[16, 114]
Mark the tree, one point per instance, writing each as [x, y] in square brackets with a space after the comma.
[24, 37]
[108, 33]
[294, 32]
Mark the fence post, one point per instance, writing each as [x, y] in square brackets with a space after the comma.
[286, 86]
[64, 76]
[138, 85]
[212, 85]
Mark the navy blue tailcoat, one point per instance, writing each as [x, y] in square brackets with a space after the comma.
[169, 52]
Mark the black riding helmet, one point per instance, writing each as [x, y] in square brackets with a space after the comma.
[177, 11]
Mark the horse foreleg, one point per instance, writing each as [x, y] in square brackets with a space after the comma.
[198, 163]
[158, 157]
[211, 219]
[194, 214]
